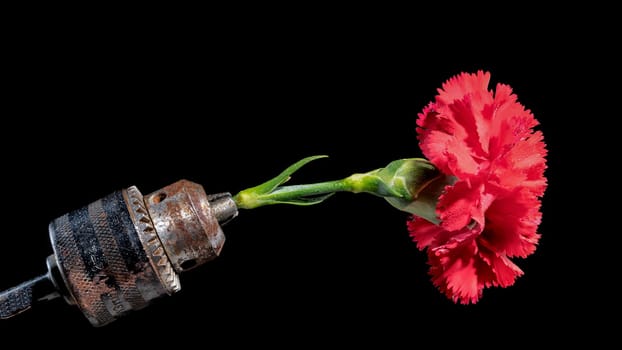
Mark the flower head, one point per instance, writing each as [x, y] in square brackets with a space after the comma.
[485, 139]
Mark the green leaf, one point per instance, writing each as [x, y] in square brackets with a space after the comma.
[304, 201]
[260, 195]
[283, 177]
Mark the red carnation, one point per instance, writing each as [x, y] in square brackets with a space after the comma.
[485, 139]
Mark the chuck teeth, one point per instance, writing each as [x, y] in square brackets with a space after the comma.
[151, 242]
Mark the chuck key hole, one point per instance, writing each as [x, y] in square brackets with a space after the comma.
[159, 197]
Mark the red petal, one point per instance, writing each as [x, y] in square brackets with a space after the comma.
[524, 165]
[423, 232]
[511, 122]
[459, 204]
[503, 272]
[444, 142]
[467, 112]
[449, 129]
[463, 84]
[511, 224]
[461, 270]
[492, 212]
[455, 271]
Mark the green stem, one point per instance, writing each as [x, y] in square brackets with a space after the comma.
[286, 193]
[412, 185]
[306, 194]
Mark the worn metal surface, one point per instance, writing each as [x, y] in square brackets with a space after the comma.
[223, 207]
[124, 250]
[102, 260]
[151, 241]
[21, 298]
[185, 223]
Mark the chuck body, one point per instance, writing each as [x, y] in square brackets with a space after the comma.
[124, 250]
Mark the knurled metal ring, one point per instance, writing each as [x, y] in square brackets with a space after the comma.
[150, 240]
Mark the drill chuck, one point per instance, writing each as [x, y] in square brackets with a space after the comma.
[124, 250]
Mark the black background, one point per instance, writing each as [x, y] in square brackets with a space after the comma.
[229, 107]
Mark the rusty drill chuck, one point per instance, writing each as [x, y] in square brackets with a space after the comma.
[124, 250]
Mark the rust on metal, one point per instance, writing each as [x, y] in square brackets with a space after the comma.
[186, 224]
[124, 250]
[151, 243]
